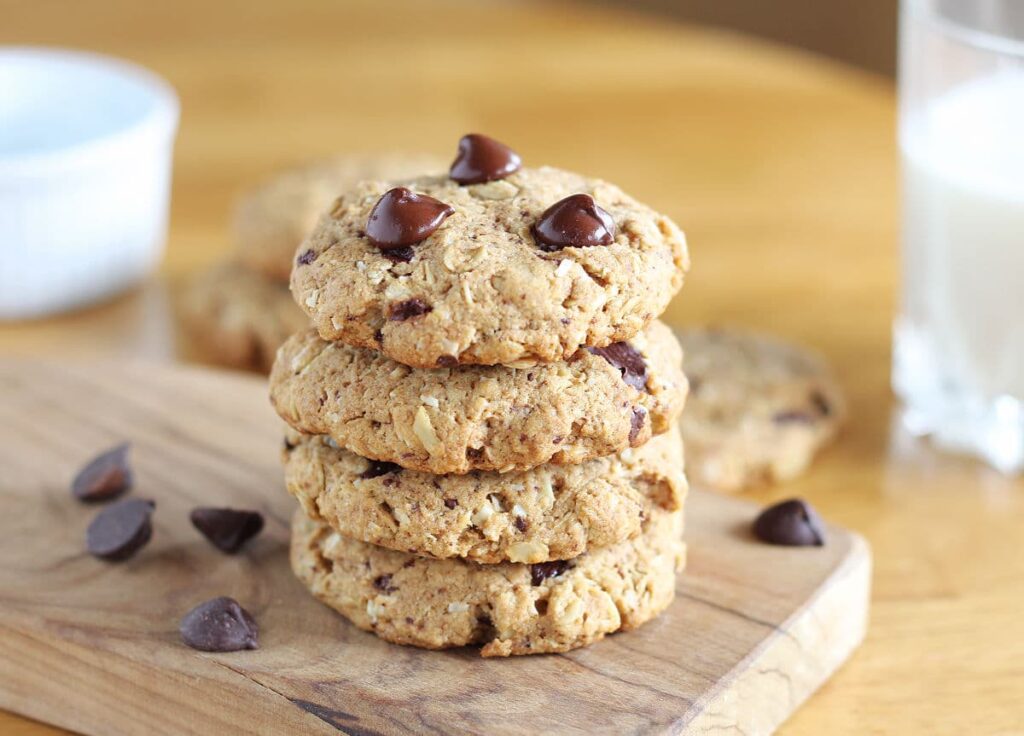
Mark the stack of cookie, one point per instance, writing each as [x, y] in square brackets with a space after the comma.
[238, 312]
[483, 418]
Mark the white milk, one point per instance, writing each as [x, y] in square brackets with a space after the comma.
[960, 337]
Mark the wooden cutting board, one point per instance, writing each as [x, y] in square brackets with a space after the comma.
[94, 647]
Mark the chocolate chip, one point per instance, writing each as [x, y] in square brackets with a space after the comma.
[402, 218]
[521, 523]
[574, 222]
[378, 468]
[447, 361]
[383, 584]
[227, 529]
[401, 311]
[630, 363]
[219, 625]
[450, 503]
[289, 445]
[306, 258]
[791, 523]
[636, 423]
[541, 571]
[820, 403]
[121, 530]
[399, 255]
[481, 159]
[105, 477]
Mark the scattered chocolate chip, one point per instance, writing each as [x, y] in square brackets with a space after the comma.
[306, 258]
[227, 529]
[630, 363]
[791, 523]
[219, 625]
[521, 523]
[401, 311]
[481, 159]
[541, 571]
[399, 255]
[378, 336]
[820, 403]
[796, 416]
[636, 423]
[121, 530]
[378, 468]
[574, 222]
[105, 477]
[383, 584]
[474, 453]
[402, 218]
[447, 361]
[289, 445]
[450, 503]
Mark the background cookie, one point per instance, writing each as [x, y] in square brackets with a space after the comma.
[453, 420]
[272, 219]
[508, 608]
[758, 409]
[548, 513]
[238, 317]
[480, 289]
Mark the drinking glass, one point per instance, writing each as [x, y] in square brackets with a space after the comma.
[958, 357]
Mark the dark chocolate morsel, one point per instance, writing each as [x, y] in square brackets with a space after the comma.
[383, 584]
[541, 571]
[105, 477]
[227, 529]
[791, 523]
[574, 222]
[401, 311]
[219, 625]
[306, 257]
[121, 530]
[630, 363]
[402, 218]
[481, 159]
[399, 255]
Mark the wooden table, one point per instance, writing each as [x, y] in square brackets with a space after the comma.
[781, 167]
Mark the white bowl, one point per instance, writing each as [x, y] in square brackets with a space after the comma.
[85, 169]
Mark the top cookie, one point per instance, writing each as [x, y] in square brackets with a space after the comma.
[486, 273]
[758, 410]
[272, 219]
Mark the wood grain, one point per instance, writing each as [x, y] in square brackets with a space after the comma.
[93, 646]
[780, 166]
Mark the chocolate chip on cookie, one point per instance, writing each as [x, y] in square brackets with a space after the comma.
[219, 625]
[105, 477]
[791, 523]
[227, 529]
[401, 311]
[306, 257]
[121, 530]
[541, 571]
[481, 159]
[402, 218]
[630, 363]
[574, 222]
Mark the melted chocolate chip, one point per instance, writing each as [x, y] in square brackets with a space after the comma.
[105, 477]
[219, 625]
[630, 363]
[121, 530]
[447, 361]
[226, 529]
[521, 523]
[483, 159]
[383, 584]
[306, 258]
[636, 423]
[399, 255]
[819, 402]
[541, 571]
[378, 468]
[450, 503]
[401, 311]
[791, 523]
[402, 218]
[574, 222]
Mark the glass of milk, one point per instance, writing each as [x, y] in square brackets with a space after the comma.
[959, 336]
